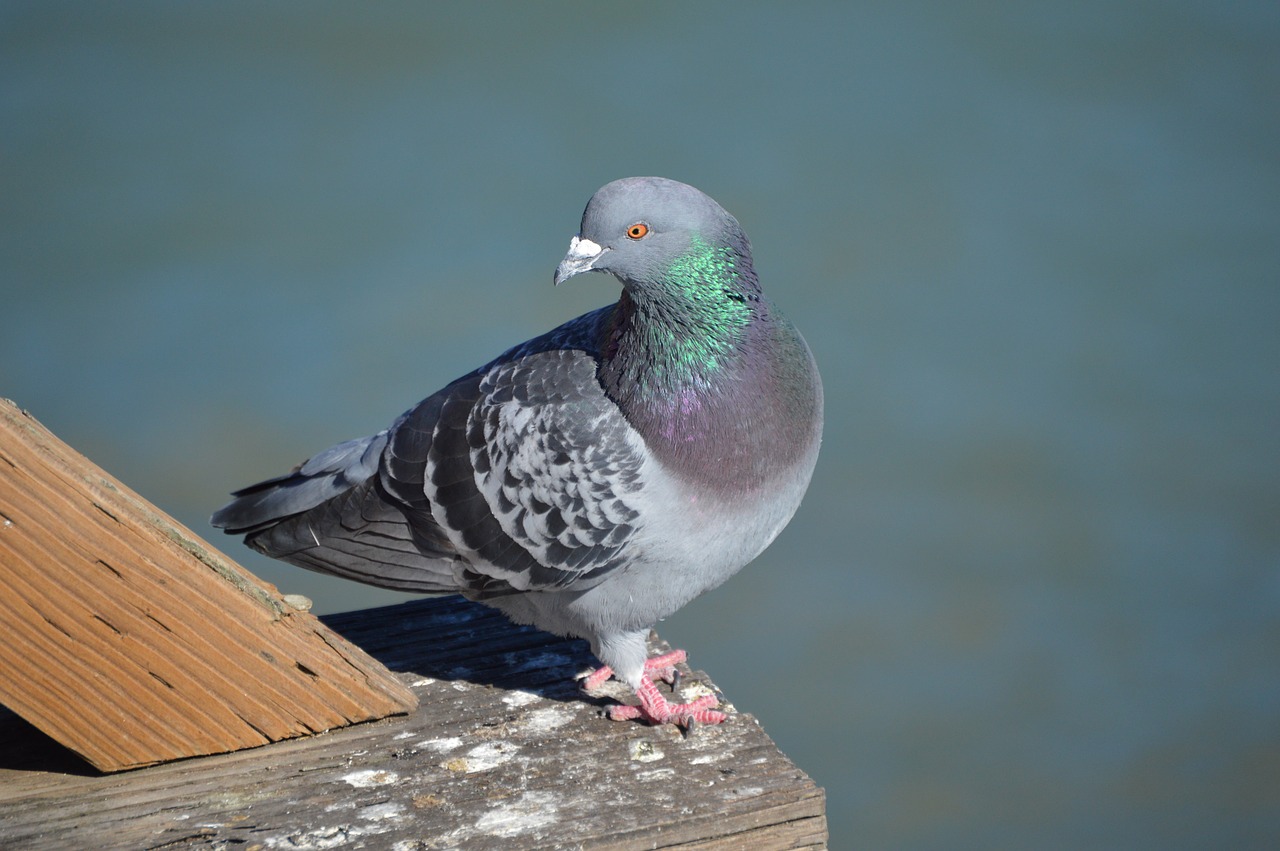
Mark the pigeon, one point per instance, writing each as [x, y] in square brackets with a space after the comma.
[592, 480]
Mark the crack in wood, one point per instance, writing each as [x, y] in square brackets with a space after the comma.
[109, 567]
[106, 511]
[107, 623]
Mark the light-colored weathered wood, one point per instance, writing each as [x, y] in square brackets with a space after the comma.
[503, 752]
[131, 641]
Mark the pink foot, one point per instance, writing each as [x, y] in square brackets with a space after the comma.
[655, 709]
[663, 667]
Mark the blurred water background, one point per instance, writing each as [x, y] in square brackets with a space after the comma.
[1033, 597]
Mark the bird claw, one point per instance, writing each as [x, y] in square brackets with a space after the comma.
[686, 715]
[655, 709]
[596, 678]
[662, 667]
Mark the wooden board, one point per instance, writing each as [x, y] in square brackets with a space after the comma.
[503, 752]
[131, 641]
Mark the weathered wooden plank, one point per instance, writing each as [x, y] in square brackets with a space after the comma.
[131, 641]
[503, 752]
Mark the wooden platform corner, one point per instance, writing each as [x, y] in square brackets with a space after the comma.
[502, 752]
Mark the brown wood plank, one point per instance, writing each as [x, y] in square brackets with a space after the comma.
[503, 752]
[127, 638]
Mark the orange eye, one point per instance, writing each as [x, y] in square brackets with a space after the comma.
[638, 231]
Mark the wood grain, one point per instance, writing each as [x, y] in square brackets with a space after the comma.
[131, 641]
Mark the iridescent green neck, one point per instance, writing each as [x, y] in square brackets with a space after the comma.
[685, 329]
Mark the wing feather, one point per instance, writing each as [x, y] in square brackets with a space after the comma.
[520, 476]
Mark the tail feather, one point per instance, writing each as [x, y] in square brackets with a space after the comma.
[333, 515]
[313, 482]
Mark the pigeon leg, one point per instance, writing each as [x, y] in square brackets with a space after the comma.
[663, 667]
[655, 709]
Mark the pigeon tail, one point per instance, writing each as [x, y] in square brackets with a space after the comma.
[331, 514]
[316, 480]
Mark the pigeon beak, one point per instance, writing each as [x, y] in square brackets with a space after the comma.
[583, 253]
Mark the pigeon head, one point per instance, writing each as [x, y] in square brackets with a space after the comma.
[691, 318]
[661, 238]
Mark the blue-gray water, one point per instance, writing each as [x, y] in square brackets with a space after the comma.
[1033, 597]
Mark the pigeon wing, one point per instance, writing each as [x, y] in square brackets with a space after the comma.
[531, 471]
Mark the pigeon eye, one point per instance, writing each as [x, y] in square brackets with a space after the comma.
[638, 231]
